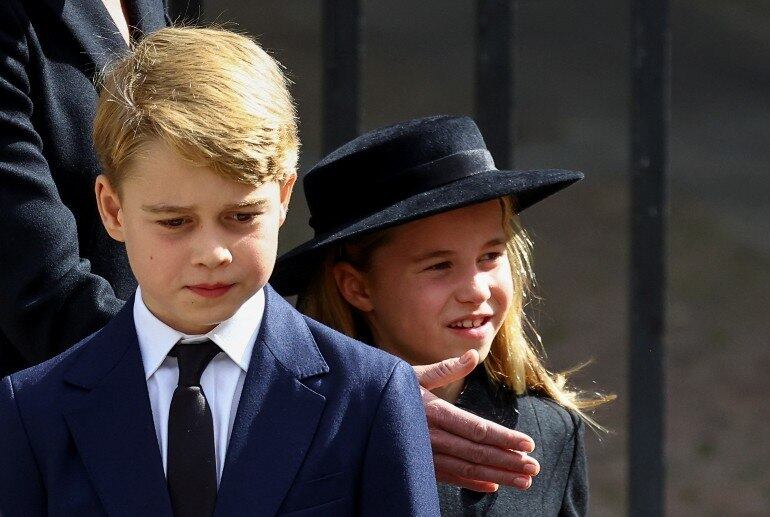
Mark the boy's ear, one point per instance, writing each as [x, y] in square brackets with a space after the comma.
[110, 209]
[352, 285]
[286, 189]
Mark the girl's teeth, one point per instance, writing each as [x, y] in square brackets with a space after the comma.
[467, 324]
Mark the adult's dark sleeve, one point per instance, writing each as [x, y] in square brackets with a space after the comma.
[49, 299]
[575, 502]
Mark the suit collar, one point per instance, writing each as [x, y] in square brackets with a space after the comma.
[105, 350]
[111, 411]
[277, 415]
[289, 339]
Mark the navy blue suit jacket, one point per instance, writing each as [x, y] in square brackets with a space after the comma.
[325, 426]
[62, 276]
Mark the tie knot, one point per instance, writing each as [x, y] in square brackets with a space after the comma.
[193, 359]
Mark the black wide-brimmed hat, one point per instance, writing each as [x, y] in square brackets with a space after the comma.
[400, 173]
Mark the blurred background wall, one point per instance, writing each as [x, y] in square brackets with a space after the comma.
[572, 111]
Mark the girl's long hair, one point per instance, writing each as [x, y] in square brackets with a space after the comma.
[513, 361]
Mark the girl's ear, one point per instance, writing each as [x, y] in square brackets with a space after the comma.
[353, 287]
[110, 210]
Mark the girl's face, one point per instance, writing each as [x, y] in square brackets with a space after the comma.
[440, 285]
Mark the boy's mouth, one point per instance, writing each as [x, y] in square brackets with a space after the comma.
[210, 290]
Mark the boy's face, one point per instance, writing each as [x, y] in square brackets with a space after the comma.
[199, 244]
[441, 285]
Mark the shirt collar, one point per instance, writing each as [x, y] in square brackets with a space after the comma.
[235, 336]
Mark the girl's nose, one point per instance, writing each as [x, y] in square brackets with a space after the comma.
[474, 289]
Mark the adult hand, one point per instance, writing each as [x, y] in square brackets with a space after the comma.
[469, 451]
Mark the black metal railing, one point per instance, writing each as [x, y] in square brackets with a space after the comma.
[341, 22]
[650, 64]
[494, 77]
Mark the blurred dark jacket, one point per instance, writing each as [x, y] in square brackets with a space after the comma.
[61, 276]
[561, 488]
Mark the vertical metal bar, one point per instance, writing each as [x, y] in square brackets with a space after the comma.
[341, 50]
[494, 77]
[650, 72]
[188, 12]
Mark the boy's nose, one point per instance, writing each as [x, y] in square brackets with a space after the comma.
[212, 255]
[474, 289]
[215, 257]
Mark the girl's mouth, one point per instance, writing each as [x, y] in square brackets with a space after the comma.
[474, 326]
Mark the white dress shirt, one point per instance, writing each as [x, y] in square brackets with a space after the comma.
[222, 380]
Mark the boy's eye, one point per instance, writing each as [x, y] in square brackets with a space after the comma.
[245, 217]
[172, 223]
[439, 266]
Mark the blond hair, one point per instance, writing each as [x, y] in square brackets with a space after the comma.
[513, 360]
[213, 96]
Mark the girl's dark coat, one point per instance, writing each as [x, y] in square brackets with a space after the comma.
[561, 488]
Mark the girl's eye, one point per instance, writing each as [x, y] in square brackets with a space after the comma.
[491, 256]
[438, 267]
[172, 223]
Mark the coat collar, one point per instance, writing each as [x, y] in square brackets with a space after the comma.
[489, 400]
[92, 26]
[275, 423]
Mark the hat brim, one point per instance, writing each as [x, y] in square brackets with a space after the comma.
[295, 268]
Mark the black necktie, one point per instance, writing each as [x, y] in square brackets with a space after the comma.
[192, 466]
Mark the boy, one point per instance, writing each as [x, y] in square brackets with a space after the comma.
[208, 394]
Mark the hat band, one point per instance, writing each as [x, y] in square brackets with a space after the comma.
[396, 187]
[440, 172]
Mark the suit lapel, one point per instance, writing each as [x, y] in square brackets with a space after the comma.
[111, 422]
[277, 414]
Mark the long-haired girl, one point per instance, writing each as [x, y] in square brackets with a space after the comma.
[418, 249]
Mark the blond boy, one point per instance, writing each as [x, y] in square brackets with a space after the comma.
[208, 394]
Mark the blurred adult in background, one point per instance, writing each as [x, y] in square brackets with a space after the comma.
[58, 264]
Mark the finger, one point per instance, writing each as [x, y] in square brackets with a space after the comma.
[466, 425]
[470, 484]
[513, 461]
[467, 470]
[440, 374]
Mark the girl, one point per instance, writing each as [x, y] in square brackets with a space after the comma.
[418, 249]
